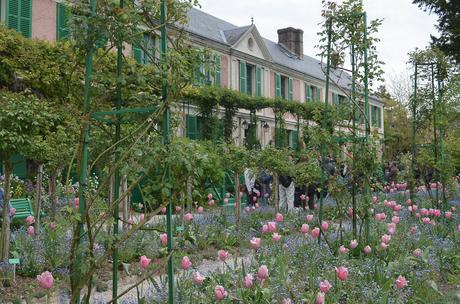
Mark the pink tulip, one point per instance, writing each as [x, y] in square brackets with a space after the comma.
[397, 208]
[220, 293]
[178, 209]
[52, 225]
[342, 273]
[185, 263]
[262, 273]
[31, 230]
[45, 280]
[320, 298]
[417, 215]
[164, 239]
[200, 210]
[395, 219]
[264, 228]
[211, 203]
[30, 220]
[248, 281]
[424, 212]
[343, 249]
[401, 282]
[276, 237]
[392, 230]
[409, 202]
[367, 249]
[448, 215]
[210, 196]
[324, 226]
[279, 217]
[380, 216]
[310, 218]
[417, 252]
[413, 230]
[163, 210]
[286, 301]
[315, 233]
[222, 255]
[437, 213]
[12, 211]
[350, 212]
[198, 278]
[255, 243]
[303, 197]
[426, 220]
[144, 262]
[386, 238]
[304, 229]
[225, 200]
[188, 217]
[272, 226]
[410, 208]
[414, 207]
[375, 199]
[353, 244]
[383, 246]
[76, 201]
[324, 286]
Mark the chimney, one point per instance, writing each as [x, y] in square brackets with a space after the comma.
[292, 39]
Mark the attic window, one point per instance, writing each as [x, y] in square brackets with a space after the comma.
[250, 44]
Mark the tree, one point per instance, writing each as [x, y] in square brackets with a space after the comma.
[23, 121]
[448, 25]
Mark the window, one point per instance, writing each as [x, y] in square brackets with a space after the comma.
[62, 14]
[338, 99]
[251, 79]
[249, 71]
[149, 45]
[217, 66]
[283, 87]
[19, 16]
[293, 139]
[312, 93]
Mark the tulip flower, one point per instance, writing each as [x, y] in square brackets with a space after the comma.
[272, 226]
[210, 196]
[222, 255]
[343, 249]
[417, 252]
[367, 249]
[342, 273]
[383, 246]
[315, 233]
[255, 243]
[279, 217]
[401, 282]
[31, 230]
[200, 210]
[353, 244]
[178, 208]
[448, 215]
[426, 220]
[198, 278]
[310, 218]
[45, 280]
[386, 238]
[164, 239]
[185, 263]
[324, 286]
[220, 293]
[262, 273]
[304, 229]
[144, 262]
[276, 237]
[264, 228]
[30, 220]
[320, 298]
[324, 226]
[248, 281]
[188, 217]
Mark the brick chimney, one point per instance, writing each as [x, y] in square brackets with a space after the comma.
[292, 39]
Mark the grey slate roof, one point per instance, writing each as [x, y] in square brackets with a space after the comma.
[208, 26]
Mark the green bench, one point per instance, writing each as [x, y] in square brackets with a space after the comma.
[23, 208]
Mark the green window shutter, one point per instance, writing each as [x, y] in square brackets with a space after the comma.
[19, 165]
[318, 94]
[379, 117]
[217, 75]
[192, 126]
[290, 90]
[243, 77]
[373, 115]
[19, 16]
[62, 32]
[258, 81]
[295, 139]
[137, 54]
[308, 93]
[277, 85]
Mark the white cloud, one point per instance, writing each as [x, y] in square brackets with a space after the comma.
[405, 26]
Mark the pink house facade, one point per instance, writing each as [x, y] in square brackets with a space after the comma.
[248, 62]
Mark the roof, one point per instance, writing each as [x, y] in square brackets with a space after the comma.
[211, 27]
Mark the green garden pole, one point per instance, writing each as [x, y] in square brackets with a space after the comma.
[435, 137]
[325, 122]
[164, 70]
[414, 120]
[116, 185]
[353, 96]
[83, 185]
[368, 127]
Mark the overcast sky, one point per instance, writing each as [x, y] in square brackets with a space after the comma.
[405, 26]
